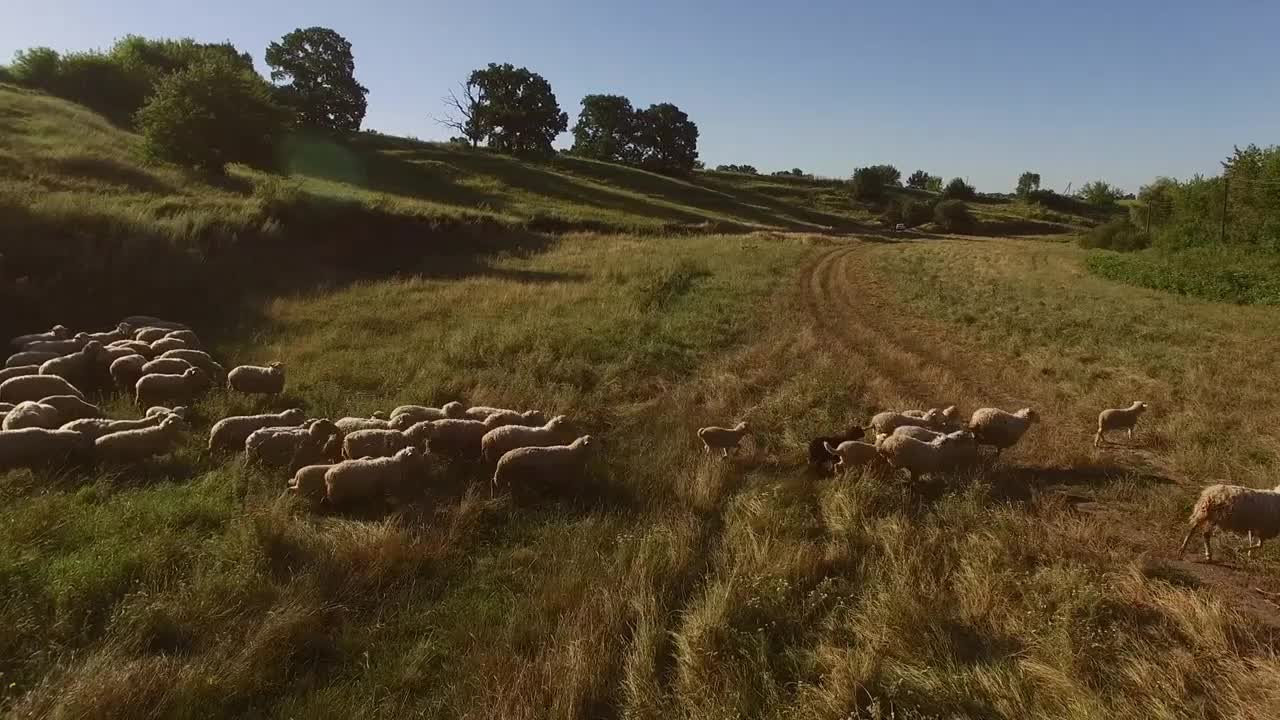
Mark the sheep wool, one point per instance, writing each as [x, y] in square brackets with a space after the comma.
[200, 359]
[31, 447]
[18, 371]
[1236, 509]
[126, 371]
[406, 415]
[60, 347]
[70, 407]
[31, 357]
[852, 453]
[123, 331]
[916, 457]
[94, 428]
[1118, 419]
[723, 439]
[480, 412]
[818, 455]
[141, 348]
[917, 432]
[156, 389]
[498, 441]
[280, 446]
[886, 422]
[75, 367]
[31, 414]
[530, 418]
[352, 424]
[308, 482]
[142, 443]
[186, 336]
[57, 332]
[541, 461]
[166, 366]
[1000, 429]
[35, 387]
[166, 343]
[230, 433]
[267, 380]
[365, 478]
[456, 437]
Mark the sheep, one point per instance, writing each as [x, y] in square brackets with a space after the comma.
[144, 321]
[405, 416]
[70, 407]
[540, 460]
[377, 421]
[818, 455]
[480, 412]
[167, 343]
[886, 422]
[722, 439]
[31, 414]
[384, 443]
[35, 387]
[959, 450]
[163, 388]
[149, 335]
[141, 443]
[30, 357]
[995, 427]
[186, 336]
[256, 379]
[368, 477]
[141, 348]
[455, 436]
[914, 456]
[111, 354]
[914, 431]
[180, 411]
[198, 358]
[230, 433]
[127, 370]
[1235, 509]
[166, 366]
[530, 418]
[852, 453]
[94, 428]
[1119, 419]
[57, 332]
[498, 441]
[454, 410]
[60, 347]
[31, 447]
[308, 482]
[122, 331]
[18, 371]
[75, 367]
[279, 446]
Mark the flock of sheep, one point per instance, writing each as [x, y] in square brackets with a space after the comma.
[46, 419]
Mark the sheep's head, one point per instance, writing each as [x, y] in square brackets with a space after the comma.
[174, 422]
[1029, 415]
[742, 426]
[533, 416]
[453, 409]
[556, 422]
[322, 427]
[81, 337]
[582, 442]
[92, 348]
[181, 411]
[951, 413]
[125, 328]
[934, 416]
[276, 365]
[293, 416]
[62, 332]
[379, 415]
[1139, 406]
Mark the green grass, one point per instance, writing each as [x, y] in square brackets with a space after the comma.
[1214, 273]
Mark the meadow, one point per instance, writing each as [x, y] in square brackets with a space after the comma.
[663, 583]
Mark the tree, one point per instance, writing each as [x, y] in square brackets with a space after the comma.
[952, 215]
[515, 110]
[1100, 193]
[317, 70]
[606, 129]
[918, 180]
[889, 175]
[744, 169]
[36, 67]
[915, 212]
[461, 115]
[1028, 182]
[666, 139]
[958, 189]
[213, 113]
[933, 184]
[868, 184]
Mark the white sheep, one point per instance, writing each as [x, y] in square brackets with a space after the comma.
[852, 453]
[230, 433]
[186, 336]
[166, 343]
[166, 366]
[722, 439]
[378, 421]
[282, 446]
[198, 358]
[31, 447]
[75, 367]
[141, 443]
[498, 441]
[152, 389]
[61, 347]
[917, 432]
[111, 354]
[365, 478]
[70, 407]
[141, 348]
[122, 331]
[384, 443]
[308, 482]
[1119, 419]
[31, 357]
[180, 411]
[149, 335]
[31, 414]
[886, 422]
[405, 416]
[18, 371]
[529, 418]
[454, 436]
[916, 457]
[125, 371]
[34, 387]
[57, 332]
[541, 461]
[144, 321]
[997, 428]
[94, 428]
[267, 380]
[1235, 509]
[480, 412]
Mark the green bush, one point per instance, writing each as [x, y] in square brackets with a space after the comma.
[1245, 277]
[102, 84]
[958, 189]
[915, 212]
[211, 114]
[36, 67]
[1119, 234]
[953, 216]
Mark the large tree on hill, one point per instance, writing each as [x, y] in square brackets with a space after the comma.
[666, 139]
[918, 180]
[958, 189]
[1100, 193]
[315, 74]
[606, 129]
[1028, 182]
[515, 109]
[869, 183]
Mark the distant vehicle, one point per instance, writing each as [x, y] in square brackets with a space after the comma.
[899, 228]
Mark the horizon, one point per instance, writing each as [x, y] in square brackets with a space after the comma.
[1076, 94]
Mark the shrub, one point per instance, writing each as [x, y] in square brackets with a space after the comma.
[36, 67]
[99, 82]
[958, 189]
[211, 114]
[915, 212]
[1119, 234]
[953, 216]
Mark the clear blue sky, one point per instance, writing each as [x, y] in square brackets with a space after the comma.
[1077, 91]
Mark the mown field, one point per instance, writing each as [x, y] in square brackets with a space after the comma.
[663, 583]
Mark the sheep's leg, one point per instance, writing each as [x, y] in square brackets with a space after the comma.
[1208, 551]
[1187, 540]
[1131, 434]
[725, 452]
[1252, 545]
[1097, 439]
